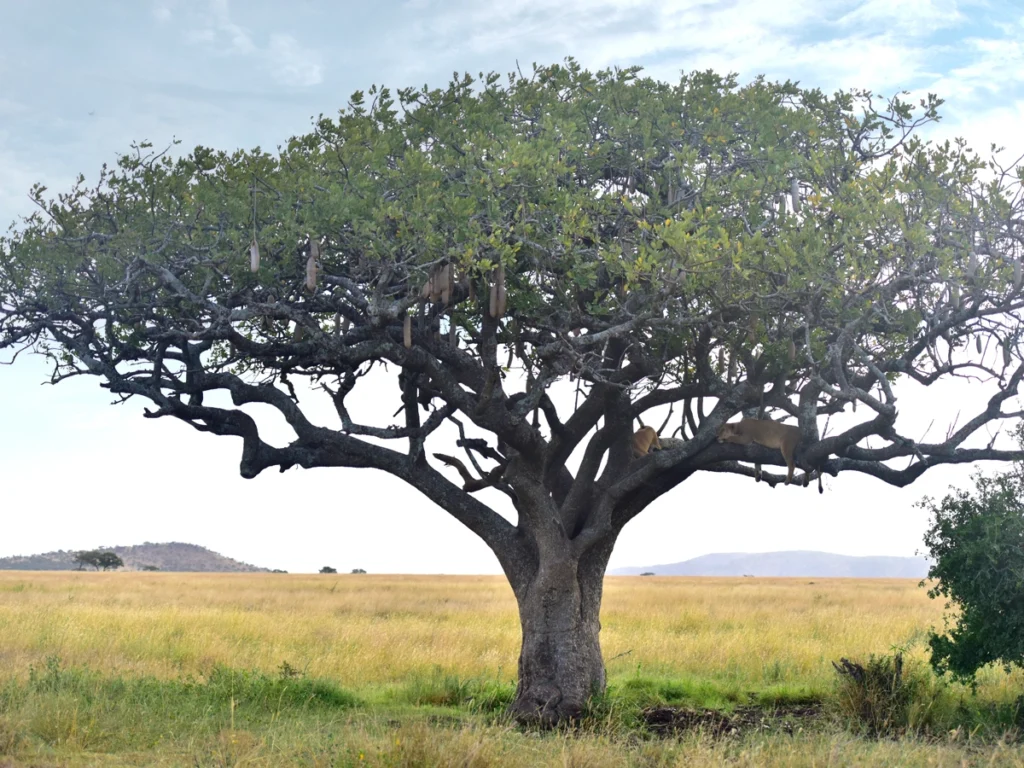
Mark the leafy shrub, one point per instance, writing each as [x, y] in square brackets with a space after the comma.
[883, 696]
[977, 542]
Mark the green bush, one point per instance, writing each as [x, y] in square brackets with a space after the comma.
[977, 542]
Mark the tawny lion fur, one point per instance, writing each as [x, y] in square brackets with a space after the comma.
[770, 434]
[644, 439]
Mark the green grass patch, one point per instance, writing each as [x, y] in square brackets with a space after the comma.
[444, 689]
[60, 707]
[77, 716]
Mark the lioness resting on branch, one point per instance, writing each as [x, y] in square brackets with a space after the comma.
[644, 439]
[770, 434]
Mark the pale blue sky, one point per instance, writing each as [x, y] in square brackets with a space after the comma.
[80, 81]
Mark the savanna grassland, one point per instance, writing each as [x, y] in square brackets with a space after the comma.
[274, 669]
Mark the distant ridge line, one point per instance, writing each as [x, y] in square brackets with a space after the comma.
[174, 556]
[797, 563]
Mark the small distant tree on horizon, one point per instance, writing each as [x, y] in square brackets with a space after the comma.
[358, 570]
[328, 569]
[109, 561]
[98, 559]
[87, 557]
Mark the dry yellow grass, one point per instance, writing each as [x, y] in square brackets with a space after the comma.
[353, 629]
[370, 629]
[370, 632]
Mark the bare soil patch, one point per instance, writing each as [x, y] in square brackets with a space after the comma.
[742, 720]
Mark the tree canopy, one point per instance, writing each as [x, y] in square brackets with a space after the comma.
[99, 558]
[701, 245]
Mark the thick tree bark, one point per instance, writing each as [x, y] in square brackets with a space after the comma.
[560, 664]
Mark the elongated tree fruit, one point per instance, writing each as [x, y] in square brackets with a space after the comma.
[493, 304]
[972, 265]
[954, 296]
[314, 254]
[977, 344]
[792, 350]
[444, 278]
[1007, 357]
[254, 256]
[435, 285]
[407, 332]
[502, 296]
[794, 189]
[1016, 274]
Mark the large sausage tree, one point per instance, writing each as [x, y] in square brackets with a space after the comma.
[542, 263]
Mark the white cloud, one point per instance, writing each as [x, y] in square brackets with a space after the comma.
[292, 63]
[882, 63]
[993, 66]
[286, 59]
[10, 108]
[917, 18]
[199, 36]
[238, 36]
[20, 173]
[883, 45]
[162, 13]
[1000, 126]
[746, 36]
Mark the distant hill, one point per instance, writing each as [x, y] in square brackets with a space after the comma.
[173, 556]
[799, 563]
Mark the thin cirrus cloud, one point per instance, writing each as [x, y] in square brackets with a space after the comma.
[967, 51]
[836, 43]
[995, 65]
[915, 18]
[282, 57]
[292, 64]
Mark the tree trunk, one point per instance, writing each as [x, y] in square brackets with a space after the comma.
[560, 664]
